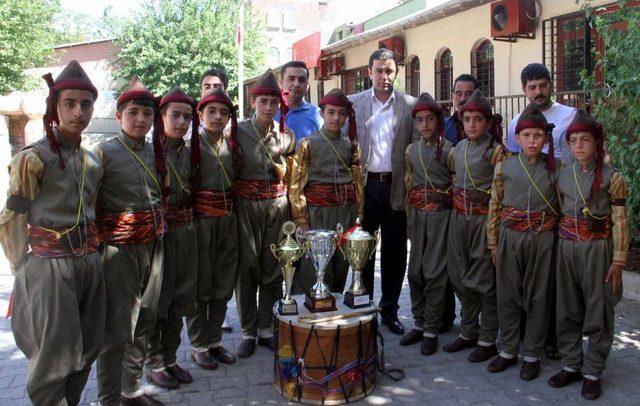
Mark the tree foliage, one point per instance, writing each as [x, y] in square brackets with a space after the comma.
[26, 39]
[172, 42]
[615, 98]
[76, 26]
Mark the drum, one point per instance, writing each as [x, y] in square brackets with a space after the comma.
[326, 363]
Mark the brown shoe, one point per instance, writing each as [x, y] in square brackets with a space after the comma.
[429, 345]
[530, 370]
[222, 355]
[246, 347]
[162, 379]
[500, 363]
[482, 353]
[459, 344]
[143, 400]
[591, 389]
[204, 360]
[412, 337]
[564, 378]
[181, 374]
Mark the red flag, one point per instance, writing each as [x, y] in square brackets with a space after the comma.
[238, 34]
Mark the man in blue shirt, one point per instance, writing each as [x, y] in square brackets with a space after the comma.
[463, 87]
[303, 117]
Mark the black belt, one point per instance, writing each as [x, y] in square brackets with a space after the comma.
[380, 176]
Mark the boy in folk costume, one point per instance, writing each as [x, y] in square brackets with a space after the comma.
[261, 194]
[468, 258]
[217, 229]
[523, 213]
[429, 203]
[177, 111]
[130, 227]
[593, 242]
[326, 185]
[48, 236]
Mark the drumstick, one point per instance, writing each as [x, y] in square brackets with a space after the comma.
[312, 319]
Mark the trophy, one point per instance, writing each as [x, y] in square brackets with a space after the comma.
[287, 252]
[357, 247]
[321, 245]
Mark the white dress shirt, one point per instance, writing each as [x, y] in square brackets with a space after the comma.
[381, 131]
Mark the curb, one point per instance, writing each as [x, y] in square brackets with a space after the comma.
[631, 285]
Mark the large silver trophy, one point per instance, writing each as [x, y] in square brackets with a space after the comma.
[321, 245]
[357, 247]
[287, 252]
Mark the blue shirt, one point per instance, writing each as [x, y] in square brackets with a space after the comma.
[303, 120]
[451, 129]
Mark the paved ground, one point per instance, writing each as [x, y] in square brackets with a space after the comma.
[446, 379]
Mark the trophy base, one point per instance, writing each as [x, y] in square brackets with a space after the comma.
[287, 309]
[356, 301]
[315, 305]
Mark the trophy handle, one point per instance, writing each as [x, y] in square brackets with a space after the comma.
[274, 250]
[376, 236]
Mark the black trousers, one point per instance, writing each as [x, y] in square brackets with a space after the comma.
[449, 312]
[378, 214]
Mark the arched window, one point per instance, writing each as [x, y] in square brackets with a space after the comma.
[289, 20]
[413, 77]
[274, 18]
[482, 66]
[273, 57]
[443, 74]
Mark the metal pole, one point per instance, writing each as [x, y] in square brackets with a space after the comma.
[241, 59]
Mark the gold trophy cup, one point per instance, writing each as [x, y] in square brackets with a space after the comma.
[287, 252]
[357, 247]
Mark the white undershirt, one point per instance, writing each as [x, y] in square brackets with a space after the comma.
[381, 131]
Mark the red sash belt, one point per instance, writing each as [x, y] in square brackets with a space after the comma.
[134, 227]
[207, 203]
[580, 229]
[259, 189]
[427, 199]
[470, 202]
[177, 216]
[46, 244]
[330, 194]
[536, 221]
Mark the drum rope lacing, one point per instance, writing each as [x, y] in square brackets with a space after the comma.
[354, 372]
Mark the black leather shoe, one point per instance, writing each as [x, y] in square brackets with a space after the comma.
[500, 363]
[564, 378]
[591, 389]
[162, 379]
[269, 342]
[204, 360]
[226, 327]
[445, 327]
[459, 344]
[181, 374]
[551, 351]
[222, 355]
[429, 346]
[412, 337]
[482, 353]
[394, 325]
[530, 370]
[143, 400]
[246, 347]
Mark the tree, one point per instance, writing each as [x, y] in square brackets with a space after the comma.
[26, 39]
[172, 42]
[615, 97]
[76, 26]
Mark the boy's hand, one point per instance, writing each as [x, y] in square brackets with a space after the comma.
[493, 255]
[615, 275]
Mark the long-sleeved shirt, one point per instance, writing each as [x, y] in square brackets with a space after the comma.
[323, 158]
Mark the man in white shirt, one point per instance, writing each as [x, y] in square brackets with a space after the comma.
[536, 85]
[385, 129]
